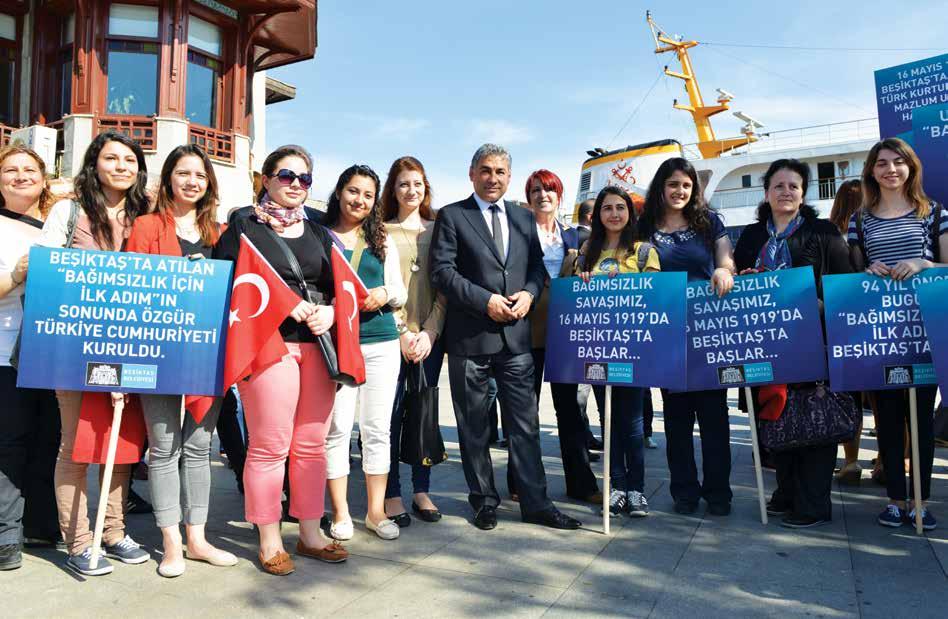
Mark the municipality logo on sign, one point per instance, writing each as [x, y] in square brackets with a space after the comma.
[596, 371]
[103, 374]
[731, 375]
[899, 375]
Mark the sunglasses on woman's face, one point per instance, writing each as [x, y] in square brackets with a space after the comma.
[286, 177]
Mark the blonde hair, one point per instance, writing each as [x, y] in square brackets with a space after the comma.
[46, 199]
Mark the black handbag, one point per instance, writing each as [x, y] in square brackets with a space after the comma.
[421, 441]
[326, 345]
[813, 416]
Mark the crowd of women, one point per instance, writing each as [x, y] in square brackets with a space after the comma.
[299, 426]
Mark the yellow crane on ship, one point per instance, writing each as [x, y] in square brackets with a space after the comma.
[632, 167]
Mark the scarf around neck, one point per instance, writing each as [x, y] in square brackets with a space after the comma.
[775, 254]
[276, 216]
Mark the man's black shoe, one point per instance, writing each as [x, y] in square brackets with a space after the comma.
[46, 541]
[594, 457]
[553, 518]
[136, 504]
[794, 521]
[776, 508]
[594, 444]
[719, 509]
[10, 557]
[501, 443]
[486, 518]
[686, 507]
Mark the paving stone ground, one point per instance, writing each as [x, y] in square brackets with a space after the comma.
[666, 565]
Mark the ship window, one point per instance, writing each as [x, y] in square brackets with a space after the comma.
[132, 60]
[584, 181]
[746, 181]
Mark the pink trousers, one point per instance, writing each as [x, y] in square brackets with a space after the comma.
[287, 409]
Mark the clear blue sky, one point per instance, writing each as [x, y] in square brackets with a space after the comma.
[550, 79]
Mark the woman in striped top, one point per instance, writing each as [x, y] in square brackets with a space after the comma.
[898, 233]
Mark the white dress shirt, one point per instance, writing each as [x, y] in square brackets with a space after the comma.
[502, 215]
[553, 250]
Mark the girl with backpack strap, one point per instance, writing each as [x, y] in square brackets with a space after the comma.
[610, 250]
[898, 233]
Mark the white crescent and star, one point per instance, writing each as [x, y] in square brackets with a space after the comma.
[254, 280]
[349, 288]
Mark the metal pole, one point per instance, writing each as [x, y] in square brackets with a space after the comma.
[758, 469]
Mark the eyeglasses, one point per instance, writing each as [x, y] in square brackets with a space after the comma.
[287, 177]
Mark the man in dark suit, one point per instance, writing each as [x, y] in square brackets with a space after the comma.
[486, 259]
[584, 220]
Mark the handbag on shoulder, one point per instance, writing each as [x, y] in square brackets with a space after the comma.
[421, 441]
[813, 416]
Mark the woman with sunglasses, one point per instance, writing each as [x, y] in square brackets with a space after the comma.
[110, 195]
[287, 405]
[356, 219]
[185, 224]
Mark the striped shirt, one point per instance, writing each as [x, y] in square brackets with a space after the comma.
[890, 241]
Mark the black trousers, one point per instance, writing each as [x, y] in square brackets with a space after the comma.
[232, 439]
[514, 374]
[571, 427]
[710, 410]
[648, 411]
[893, 416]
[805, 481]
[29, 444]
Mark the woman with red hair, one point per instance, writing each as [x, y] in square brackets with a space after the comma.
[560, 246]
[406, 207]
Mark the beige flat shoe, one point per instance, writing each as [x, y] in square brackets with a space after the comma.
[171, 570]
[217, 558]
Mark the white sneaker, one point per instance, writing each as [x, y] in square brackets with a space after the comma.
[638, 505]
[618, 503]
[342, 530]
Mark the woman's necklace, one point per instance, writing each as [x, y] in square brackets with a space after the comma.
[414, 258]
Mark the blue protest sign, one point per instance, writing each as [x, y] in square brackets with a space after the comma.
[933, 301]
[907, 87]
[874, 331]
[930, 131]
[625, 330]
[766, 330]
[110, 321]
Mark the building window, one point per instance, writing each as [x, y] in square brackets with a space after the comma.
[8, 53]
[746, 181]
[204, 71]
[132, 60]
[65, 65]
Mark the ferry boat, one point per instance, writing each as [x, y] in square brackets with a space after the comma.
[730, 169]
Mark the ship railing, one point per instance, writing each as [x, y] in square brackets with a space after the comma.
[742, 197]
[801, 137]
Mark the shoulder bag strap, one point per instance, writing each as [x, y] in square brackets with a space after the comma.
[71, 223]
[293, 262]
[357, 252]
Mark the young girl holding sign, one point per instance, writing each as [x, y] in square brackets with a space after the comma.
[610, 250]
[185, 224]
[110, 195]
[898, 233]
[690, 237]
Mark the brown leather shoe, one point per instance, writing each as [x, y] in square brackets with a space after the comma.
[595, 498]
[333, 553]
[279, 564]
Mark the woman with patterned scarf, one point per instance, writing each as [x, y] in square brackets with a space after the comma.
[788, 233]
[288, 404]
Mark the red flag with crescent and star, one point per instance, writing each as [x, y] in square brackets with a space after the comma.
[350, 294]
[259, 302]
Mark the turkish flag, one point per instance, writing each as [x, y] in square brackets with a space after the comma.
[259, 302]
[350, 294]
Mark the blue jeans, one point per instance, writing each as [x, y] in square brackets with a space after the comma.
[420, 475]
[627, 449]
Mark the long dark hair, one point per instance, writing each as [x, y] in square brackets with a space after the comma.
[794, 165]
[287, 150]
[597, 234]
[913, 190]
[696, 212]
[388, 199]
[373, 226]
[206, 209]
[848, 200]
[89, 192]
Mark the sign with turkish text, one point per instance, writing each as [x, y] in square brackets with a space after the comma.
[626, 330]
[933, 301]
[902, 89]
[134, 323]
[766, 330]
[930, 130]
[874, 330]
